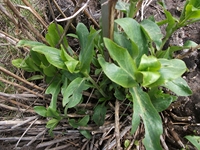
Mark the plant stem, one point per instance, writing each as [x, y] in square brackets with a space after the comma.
[96, 86]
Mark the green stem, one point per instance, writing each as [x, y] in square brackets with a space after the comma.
[97, 87]
[95, 84]
[168, 36]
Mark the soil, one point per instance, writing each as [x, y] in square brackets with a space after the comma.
[182, 117]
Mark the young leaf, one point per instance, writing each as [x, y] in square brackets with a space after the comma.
[54, 89]
[53, 113]
[20, 63]
[41, 110]
[148, 77]
[87, 46]
[179, 86]
[73, 93]
[82, 32]
[152, 122]
[121, 56]
[170, 70]
[117, 74]
[52, 124]
[192, 10]
[195, 140]
[70, 62]
[53, 55]
[54, 33]
[99, 114]
[86, 134]
[149, 67]
[83, 122]
[149, 63]
[152, 31]
[133, 30]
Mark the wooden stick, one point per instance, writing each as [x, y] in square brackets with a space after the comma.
[20, 79]
[117, 126]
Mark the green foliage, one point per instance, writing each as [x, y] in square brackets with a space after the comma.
[195, 140]
[138, 68]
[99, 114]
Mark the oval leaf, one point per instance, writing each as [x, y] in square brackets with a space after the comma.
[179, 86]
[116, 74]
[53, 55]
[41, 110]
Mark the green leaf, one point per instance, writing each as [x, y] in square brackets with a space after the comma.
[160, 100]
[189, 44]
[53, 113]
[38, 58]
[179, 86]
[86, 134]
[54, 90]
[87, 46]
[52, 124]
[121, 56]
[26, 43]
[152, 31]
[117, 74]
[82, 32]
[133, 30]
[192, 10]
[54, 33]
[53, 55]
[41, 110]
[149, 67]
[122, 6]
[149, 63]
[122, 41]
[29, 61]
[83, 122]
[172, 69]
[73, 93]
[152, 122]
[35, 77]
[148, 77]
[69, 61]
[171, 22]
[195, 140]
[99, 114]
[49, 70]
[20, 63]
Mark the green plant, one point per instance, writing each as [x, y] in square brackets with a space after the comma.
[139, 70]
[195, 140]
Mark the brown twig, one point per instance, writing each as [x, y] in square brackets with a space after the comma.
[16, 109]
[117, 126]
[25, 22]
[20, 79]
[191, 50]
[34, 12]
[21, 87]
[8, 38]
[75, 136]
[25, 132]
